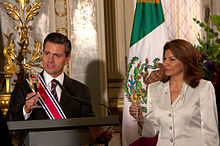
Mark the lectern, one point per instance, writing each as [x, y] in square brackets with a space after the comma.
[68, 132]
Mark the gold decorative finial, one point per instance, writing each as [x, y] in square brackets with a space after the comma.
[18, 63]
[27, 14]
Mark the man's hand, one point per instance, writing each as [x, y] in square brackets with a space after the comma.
[100, 135]
[105, 136]
[31, 102]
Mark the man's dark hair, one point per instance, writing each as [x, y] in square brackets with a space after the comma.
[58, 38]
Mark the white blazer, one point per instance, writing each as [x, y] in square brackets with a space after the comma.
[190, 121]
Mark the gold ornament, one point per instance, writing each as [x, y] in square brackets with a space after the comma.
[17, 63]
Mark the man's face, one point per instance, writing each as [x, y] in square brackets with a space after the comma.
[54, 59]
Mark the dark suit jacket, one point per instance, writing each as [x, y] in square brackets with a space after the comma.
[72, 108]
[4, 134]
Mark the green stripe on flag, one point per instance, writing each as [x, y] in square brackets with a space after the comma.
[147, 17]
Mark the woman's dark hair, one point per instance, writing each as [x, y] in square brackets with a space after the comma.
[186, 53]
[58, 38]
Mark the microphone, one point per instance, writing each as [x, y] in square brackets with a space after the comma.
[82, 100]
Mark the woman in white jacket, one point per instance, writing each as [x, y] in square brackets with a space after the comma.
[181, 107]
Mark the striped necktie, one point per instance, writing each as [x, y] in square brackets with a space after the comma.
[53, 89]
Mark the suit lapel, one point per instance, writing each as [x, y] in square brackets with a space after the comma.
[65, 84]
[70, 106]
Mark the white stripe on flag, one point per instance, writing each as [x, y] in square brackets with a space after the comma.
[151, 47]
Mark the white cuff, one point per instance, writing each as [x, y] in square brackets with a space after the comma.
[26, 115]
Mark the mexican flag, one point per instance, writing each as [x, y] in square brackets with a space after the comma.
[146, 49]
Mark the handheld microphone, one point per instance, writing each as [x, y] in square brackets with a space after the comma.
[82, 100]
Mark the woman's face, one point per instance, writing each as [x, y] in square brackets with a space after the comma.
[172, 66]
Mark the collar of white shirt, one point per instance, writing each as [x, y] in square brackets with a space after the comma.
[48, 78]
[182, 92]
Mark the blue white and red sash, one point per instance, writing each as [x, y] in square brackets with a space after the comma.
[48, 102]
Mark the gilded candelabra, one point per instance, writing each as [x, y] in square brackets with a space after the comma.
[18, 63]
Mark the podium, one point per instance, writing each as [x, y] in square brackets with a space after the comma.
[60, 132]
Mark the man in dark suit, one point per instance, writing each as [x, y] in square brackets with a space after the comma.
[56, 53]
[70, 107]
